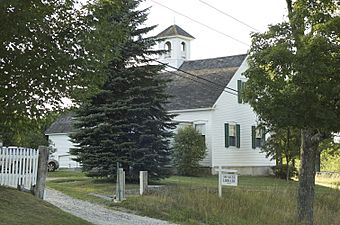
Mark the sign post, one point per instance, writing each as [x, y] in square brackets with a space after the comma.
[226, 177]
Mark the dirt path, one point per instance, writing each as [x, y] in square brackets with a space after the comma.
[95, 213]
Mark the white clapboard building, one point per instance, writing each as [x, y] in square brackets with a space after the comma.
[210, 103]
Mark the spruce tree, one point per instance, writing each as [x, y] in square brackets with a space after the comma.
[126, 121]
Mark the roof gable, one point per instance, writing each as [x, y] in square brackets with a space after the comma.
[189, 92]
[63, 125]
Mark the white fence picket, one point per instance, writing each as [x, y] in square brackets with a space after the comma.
[18, 166]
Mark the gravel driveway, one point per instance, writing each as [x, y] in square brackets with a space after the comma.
[95, 213]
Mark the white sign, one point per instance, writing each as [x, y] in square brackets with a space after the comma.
[229, 179]
[226, 177]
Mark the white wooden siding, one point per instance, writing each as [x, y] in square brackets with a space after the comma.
[227, 110]
[63, 144]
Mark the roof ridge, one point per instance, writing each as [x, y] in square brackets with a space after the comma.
[219, 57]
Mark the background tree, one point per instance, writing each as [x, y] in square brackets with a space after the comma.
[330, 155]
[294, 81]
[189, 150]
[283, 146]
[125, 122]
[30, 135]
[43, 52]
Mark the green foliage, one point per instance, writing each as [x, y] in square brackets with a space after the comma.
[283, 145]
[330, 156]
[283, 173]
[125, 121]
[44, 58]
[31, 134]
[294, 81]
[189, 149]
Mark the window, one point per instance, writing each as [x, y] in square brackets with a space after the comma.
[232, 135]
[182, 46]
[201, 129]
[258, 136]
[167, 46]
[240, 86]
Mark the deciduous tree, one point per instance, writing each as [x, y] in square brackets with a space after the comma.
[43, 58]
[294, 80]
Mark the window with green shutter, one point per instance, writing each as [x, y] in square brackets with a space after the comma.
[226, 135]
[232, 135]
[238, 136]
[253, 139]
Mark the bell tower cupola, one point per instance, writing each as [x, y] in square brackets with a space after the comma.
[177, 42]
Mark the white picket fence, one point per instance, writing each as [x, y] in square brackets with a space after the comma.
[18, 166]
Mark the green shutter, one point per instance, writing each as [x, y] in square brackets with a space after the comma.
[238, 136]
[239, 89]
[253, 137]
[226, 135]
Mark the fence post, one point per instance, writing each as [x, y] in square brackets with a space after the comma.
[143, 181]
[39, 188]
[120, 185]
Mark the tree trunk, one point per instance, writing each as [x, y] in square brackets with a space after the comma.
[279, 163]
[287, 168]
[307, 177]
[317, 161]
[287, 154]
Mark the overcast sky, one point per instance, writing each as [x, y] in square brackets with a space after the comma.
[208, 44]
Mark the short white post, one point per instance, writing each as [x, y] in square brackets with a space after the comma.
[143, 181]
[120, 185]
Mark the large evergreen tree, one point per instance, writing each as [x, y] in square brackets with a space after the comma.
[125, 122]
[294, 81]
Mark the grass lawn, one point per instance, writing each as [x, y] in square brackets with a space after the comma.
[23, 208]
[194, 200]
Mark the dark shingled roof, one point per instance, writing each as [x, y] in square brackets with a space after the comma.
[64, 124]
[214, 63]
[186, 91]
[192, 93]
[174, 30]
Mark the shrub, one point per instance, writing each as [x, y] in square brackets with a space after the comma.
[283, 173]
[189, 149]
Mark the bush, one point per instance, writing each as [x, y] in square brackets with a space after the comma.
[283, 173]
[189, 149]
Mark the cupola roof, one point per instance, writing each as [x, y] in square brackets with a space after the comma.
[174, 30]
